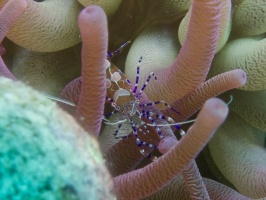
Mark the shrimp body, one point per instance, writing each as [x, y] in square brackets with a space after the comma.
[125, 98]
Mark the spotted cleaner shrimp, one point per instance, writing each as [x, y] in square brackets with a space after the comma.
[125, 99]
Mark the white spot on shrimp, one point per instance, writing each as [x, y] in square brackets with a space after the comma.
[107, 64]
[108, 83]
[115, 77]
[119, 93]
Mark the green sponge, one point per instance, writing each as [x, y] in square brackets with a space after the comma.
[44, 154]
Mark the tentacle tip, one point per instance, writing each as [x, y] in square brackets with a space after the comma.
[23, 3]
[91, 13]
[166, 144]
[242, 77]
[217, 109]
[93, 8]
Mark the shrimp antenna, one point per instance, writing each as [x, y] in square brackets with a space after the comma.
[110, 55]
[189, 121]
[59, 100]
[231, 99]
[173, 124]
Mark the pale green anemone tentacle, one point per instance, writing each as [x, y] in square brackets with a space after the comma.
[250, 18]
[238, 151]
[109, 6]
[47, 26]
[237, 2]
[251, 106]
[55, 69]
[225, 25]
[158, 45]
[248, 54]
[44, 153]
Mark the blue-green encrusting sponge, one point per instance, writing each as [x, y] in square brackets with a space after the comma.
[44, 154]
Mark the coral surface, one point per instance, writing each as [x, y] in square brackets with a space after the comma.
[44, 153]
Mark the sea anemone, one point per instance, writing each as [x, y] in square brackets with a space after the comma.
[187, 77]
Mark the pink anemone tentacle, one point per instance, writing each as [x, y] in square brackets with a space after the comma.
[192, 102]
[94, 34]
[146, 181]
[9, 14]
[192, 64]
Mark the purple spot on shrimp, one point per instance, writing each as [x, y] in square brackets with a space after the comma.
[128, 81]
[121, 72]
